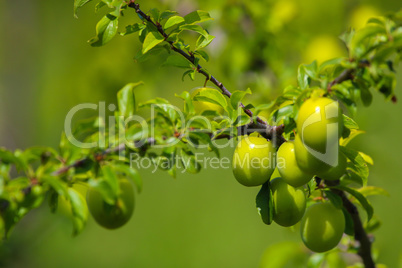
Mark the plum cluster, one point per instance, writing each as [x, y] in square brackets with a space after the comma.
[314, 153]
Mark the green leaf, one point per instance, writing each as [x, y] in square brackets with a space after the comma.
[136, 27]
[349, 122]
[202, 54]
[151, 40]
[241, 120]
[197, 138]
[311, 70]
[353, 134]
[126, 99]
[358, 162]
[372, 190]
[111, 178]
[197, 17]
[366, 96]
[283, 113]
[189, 106]
[130, 173]
[172, 21]
[362, 200]
[195, 28]
[335, 199]
[167, 14]
[85, 165]
[99, 6]
[264, 203]
[349, 224]
[330, 63]
[264, 107]
[302, 77]
[386, 86]
[8, 157]
[373, 225]
[78, 4]
[79, 210]
[53, 201]
[203, 41]
[177, 61]
[212, 96]
[106, 29]
[190, 73]
[189, 162]
[367, 158]
[58, 185]
[362, 34]
[237, 97]
[154, 14]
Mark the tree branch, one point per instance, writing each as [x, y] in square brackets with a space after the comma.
[360, 234]
[345, 75]
[191, 59]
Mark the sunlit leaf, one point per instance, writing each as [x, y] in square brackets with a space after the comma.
[106, 29]
[151, 40]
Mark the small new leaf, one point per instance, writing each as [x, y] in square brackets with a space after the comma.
[349, 122]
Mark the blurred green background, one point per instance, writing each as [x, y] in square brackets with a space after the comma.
[203, 220]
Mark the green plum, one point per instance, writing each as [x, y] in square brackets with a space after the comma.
[306, 161]
[253, 161]
[335, 173]
[112, 216]
[322, 227]
[319, 123]
[289, 202]
[288, 168]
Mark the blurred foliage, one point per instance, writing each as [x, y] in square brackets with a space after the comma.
[47, 68]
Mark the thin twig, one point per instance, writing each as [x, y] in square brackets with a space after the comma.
[191, 59]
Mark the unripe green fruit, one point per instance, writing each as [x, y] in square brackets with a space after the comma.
[253, 161]
[288, 168]
[322, 227]
[289, 202]
[335, 173]
[112, 216]
[306, 161]
[202, 106]
[319, 123]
